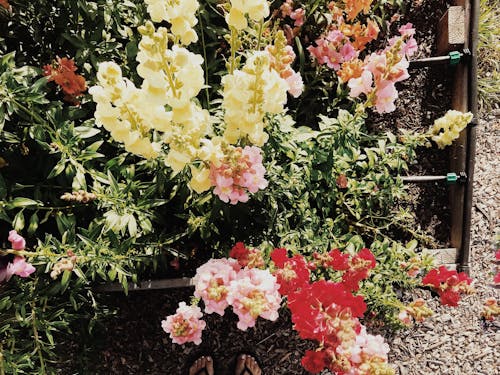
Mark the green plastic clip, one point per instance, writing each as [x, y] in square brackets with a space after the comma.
[451, 178]
[454, 57]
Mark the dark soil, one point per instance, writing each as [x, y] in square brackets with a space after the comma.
[132, 341]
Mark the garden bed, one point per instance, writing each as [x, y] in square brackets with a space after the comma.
[133, 195]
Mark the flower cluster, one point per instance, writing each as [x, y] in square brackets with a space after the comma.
[5, 4]
[496, 278]
[292, 273]
[62, 72]
[248, 95]
[344, 39]
[181, 14]
[254, 293]
[490, 309]
[212, 283]
[355, 268]
[296, 14]
[354, 7]
[377, 75]
[282, 56]
[415, 311]
[163, 111]
[185, 325]
[125, 111]
[220, 283]
[412, 267]
[18, 266]
[251, 292]
[328, 313]
[447, 128]
[255, 9]
[64, 264]
[239, 172]
[79, 196]
[449, 284]
[251, 258]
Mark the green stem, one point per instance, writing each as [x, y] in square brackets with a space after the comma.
[33, 115]
[207, 93]
[232, 61]
[261, 26]
[38, 347]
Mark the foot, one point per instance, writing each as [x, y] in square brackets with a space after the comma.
[202, 366]
[246, 365]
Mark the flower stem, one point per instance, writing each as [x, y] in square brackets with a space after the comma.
[207, 93]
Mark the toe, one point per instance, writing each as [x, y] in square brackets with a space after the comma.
[253, 366]
[209, 365]
[202, 363]
[240, 364]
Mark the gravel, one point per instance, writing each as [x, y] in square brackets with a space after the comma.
[457, 340]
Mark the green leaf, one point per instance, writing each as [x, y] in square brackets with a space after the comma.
[33, 224]
[86, 131]
[65, 278]
[22, 202]
[112, 274]
[18, 222]
[58, 169]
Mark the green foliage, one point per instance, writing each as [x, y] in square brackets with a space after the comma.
[489, 56]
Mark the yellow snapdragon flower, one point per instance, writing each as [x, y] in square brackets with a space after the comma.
[255, 9]
[181, 14]
[447, 128]
[249, 94]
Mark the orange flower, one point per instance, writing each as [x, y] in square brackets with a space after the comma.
[62, 71]
[350, 69]
[354, 7]
[5, 3]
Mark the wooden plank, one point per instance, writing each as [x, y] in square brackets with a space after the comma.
[183, 282]
[451, 30]
[458, 20]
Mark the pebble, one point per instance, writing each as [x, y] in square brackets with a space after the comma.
[458, 342]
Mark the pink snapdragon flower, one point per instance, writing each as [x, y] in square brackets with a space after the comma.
[366, 348]
[17, 241]
[240, 171]
[212, 281]
[252, 294]
[333, 50]
[385, 98]
[361, 85]
[18, 267]
[298, 16]
[295, 84]
[281, 61]
[185, 325]
[381, 70]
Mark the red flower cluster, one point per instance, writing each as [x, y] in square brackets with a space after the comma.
[292, 273]
[317, 307]
[251, 258]
[5, 4]
[355, 268]
[62, 71]
[449, 284]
